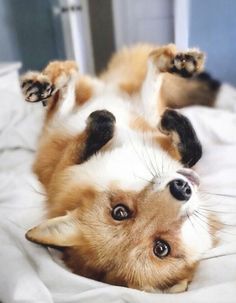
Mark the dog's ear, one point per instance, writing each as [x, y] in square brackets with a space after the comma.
[59, 232]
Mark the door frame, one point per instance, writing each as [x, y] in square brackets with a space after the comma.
[74, 15]
[181, 22]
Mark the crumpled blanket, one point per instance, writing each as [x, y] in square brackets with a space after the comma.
[31, 273]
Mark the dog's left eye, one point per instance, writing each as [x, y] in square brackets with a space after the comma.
[120, 212]
[161, 249]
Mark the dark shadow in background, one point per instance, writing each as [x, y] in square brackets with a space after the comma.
[38, 32]
[31, 33]
[102, 31]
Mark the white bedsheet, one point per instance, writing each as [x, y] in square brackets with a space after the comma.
[30, 273]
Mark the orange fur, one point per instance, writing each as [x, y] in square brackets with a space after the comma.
[84, 90]
[127, 68]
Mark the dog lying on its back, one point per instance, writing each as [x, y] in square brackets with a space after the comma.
[115, 164]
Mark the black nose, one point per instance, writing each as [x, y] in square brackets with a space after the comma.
[180, 190]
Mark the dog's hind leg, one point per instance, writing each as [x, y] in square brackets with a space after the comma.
[161, 63]
[56, 84]
[60, 86]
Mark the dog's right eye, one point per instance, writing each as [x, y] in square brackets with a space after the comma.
[120, 212]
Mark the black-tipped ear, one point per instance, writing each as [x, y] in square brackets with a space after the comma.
[184, 136]
[100, 129]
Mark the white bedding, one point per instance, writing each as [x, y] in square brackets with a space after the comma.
[31, 273]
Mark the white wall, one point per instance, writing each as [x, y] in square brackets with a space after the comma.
[143, 21]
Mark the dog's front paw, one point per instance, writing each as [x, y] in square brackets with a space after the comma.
[187, 64]
[99, 131]
[36, 87]
[183, 135]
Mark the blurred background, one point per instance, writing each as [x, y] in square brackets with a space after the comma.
[89, 31]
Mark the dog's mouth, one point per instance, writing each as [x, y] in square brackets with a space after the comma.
[190, 175]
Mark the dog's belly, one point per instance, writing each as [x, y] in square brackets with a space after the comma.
[123, 109]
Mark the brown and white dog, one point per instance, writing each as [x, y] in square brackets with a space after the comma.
[116, 167]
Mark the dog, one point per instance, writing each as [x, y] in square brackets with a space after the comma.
[115, 158]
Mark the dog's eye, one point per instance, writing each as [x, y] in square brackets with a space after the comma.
[161, 249]
[120, 212]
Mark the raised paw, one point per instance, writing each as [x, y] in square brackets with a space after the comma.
[183, 135]
[36, 87]
[187, 64]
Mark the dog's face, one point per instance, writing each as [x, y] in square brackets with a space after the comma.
[122, 218]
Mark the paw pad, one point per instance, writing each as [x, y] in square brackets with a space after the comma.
[36, 89]
[187, 64]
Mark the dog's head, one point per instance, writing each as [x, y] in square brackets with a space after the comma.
[122, 218]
